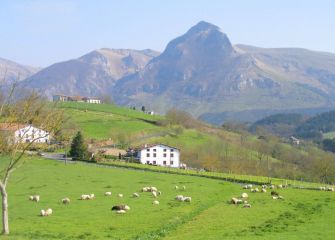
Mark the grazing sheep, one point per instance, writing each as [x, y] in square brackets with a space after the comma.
[120, 195]
[120, 207]
[280, 186]
[256, 190]
[154, 194]
[245, 202]
[149, 189]
[187, 199]
[263, 190]
[184, 188]
[236, 201]
[322, 188]
[66, 200]
[176, 187]
[85, 197]
[108, 193]
[179, 198]
[331, 189]
[145, 189]
[92, 196]
[45, 213]
[280, 197]
[120, 211]
[136, 194]
[245, 187]
[272, 187]
[274, 197]
[244, 195]
[247, 205]
[159, 193]
[34, 198]
[264, 186]
[252, 190]
[154, 189]
[155, 202]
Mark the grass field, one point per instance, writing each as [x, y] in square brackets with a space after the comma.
[304, 214]
[329, 135]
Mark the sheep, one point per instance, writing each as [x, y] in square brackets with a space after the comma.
[272, 187]
[252, 190]
[184, 188]
[154, 194]
[187, 199]
[280, 197]
[136, 194]
[256, 190]
[263, 190]
[236, 201]
[274, 197]
[247, 205]
[176, 187]
[149, 189]
[331, 189]
[264, 186]
[159, 193]
[155, 202]
[120, 207]
[108, 194]
[66, 200]
[85, 197]
[45, 213]
[154, 189]
[34, 198]
[322, 188]
[244, 195]
[179, 198]
[92, 196]
[248, 186]
[145, 189]
[120, 195]
[280, 186]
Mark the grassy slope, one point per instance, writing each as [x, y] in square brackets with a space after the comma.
[303, 213]
[101, 121]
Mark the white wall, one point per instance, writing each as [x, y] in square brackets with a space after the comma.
[160, 154]
[30, 133]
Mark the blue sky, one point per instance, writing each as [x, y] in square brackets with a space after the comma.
[42, 32]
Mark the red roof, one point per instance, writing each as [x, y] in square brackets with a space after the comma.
[11, 126]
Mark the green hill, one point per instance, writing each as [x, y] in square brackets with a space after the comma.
[202, 145]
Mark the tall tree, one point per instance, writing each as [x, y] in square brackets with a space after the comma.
[78, 147]
[29, 110]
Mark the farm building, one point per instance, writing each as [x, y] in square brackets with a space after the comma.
[24, 133]
[63, 98]
[159, 154]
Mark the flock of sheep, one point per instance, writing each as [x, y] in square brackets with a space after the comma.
[119, 209]
[243, 199]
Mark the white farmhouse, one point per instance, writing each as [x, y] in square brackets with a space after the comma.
[159, 154]
[92, 100]
[24, 133]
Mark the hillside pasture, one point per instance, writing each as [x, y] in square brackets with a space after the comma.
[303, 213]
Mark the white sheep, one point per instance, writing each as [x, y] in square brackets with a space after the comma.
[66, 200]
[244, 195]
[236, 201]
[108, 193]
[272, 187]
[85, 197]
[247, 205]
[126, 207]
[176, 187]
[47, 212]
[264, 186]
[280, 186]
[153, 189]
[34, 198]
[92, 196]
[331, 189]
[145, 189]
[155, 202]
[179, 198]
[263, 190]
[154, 194]
[184, 188]
[256, 190]
[187, 199]
[274, 197]
[136, 194]
[120, 195]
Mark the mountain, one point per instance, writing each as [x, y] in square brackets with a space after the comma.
[203, 73]
[11, 71]
[93, 74]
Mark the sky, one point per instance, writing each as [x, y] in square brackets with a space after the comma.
[43, 32]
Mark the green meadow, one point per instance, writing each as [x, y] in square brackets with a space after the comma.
[303, 214]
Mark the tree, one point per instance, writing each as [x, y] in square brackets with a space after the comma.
[78, 148]
[30, 109]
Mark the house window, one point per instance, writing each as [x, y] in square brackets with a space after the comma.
[154, 162]
[164, 162]
[155, 154]
[148, 149]
[148, 154]
[171, 162]
[171, 155]
[172, 150]
[148, 162]
[164, 150]
[164, 155]
[155, 149]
